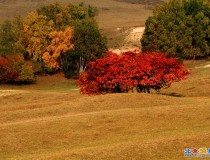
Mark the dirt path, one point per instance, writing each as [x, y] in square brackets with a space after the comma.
[11, 92]
[131, 41]
[53, 118]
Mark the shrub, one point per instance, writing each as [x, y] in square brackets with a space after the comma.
[3, 68]
[13, 69]
[180, 28]
[26, 74]
[140, 71]
[38, 68]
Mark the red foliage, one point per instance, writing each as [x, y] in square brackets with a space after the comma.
[3, 68]
[14, 69]
[143, 71]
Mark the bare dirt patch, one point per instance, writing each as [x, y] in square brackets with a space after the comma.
[131, 42]
[204, 65]
[207, 66]
[135, 35]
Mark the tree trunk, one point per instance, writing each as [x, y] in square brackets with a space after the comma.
[82, 66]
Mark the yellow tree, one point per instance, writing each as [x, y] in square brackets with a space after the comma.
[37, 29]
[60, 44]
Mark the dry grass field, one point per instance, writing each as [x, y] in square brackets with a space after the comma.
[51, 120]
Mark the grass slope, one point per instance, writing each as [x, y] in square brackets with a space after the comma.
[51, 120]
[112, 14]
[71, 126]
[36, 124]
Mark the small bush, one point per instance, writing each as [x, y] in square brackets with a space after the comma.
[3, 68]
[117, 74]
[13, 69]
[38, 68]
[26, 74]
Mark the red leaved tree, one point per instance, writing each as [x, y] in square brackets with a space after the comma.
[13, 69]
[140, 71]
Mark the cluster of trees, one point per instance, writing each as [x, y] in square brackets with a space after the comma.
[180, 28]
[54, 37]
[66, 37]
[140, 71]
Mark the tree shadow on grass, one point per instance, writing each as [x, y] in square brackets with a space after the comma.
[173, 94]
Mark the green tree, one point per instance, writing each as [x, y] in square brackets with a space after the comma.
[66, 15]
[57, 13]
[10, 33]
[180, 28]
[88, 42]
[69, 67]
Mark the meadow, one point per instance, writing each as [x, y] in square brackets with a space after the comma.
[52, 120]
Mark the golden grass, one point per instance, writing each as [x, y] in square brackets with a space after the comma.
[67, 125]
[198, 82]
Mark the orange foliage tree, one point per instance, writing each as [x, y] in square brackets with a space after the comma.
[60, 44]
[36, 38]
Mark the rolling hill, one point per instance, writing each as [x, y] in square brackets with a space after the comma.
[60, 123]
[52, 120]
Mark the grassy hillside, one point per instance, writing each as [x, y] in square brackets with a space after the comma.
[57, 123]
[112, 14]
[52, 120]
